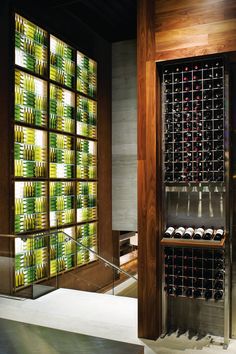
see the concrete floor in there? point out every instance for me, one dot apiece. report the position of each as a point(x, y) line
point(31, 339)
point(104, 316)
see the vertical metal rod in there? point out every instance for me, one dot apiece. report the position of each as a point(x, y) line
point(227, 223)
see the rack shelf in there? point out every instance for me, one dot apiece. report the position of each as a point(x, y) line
point(192, 243)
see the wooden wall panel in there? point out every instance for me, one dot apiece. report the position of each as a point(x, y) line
point(186, 28)
point(149, 293)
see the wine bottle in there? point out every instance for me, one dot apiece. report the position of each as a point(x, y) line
point(207, 273)
point(198, 234)
point(179, 232)
point(187, 88)
point(187, 271)
point(169, 290)
point(188, 233)
point(208, 294)
point(168, 167)
point(219, 235)
point(208, 234)
point(218, 295)
point(178, 291)
point(197, 293)
point(218, 285)
point(196, 66)
point(187, 281)
point(168, 279)
point(168, 260)
point(219, 275)
point(188, 292)
point(178, 281)
point(207, 284)
point(169, 232)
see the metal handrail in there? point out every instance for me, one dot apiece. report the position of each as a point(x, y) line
point(112, 265)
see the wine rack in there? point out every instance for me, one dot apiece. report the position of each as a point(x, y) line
point(86, 75)
point(31, 260)
point(30, 99)
point(62, 197)
point(193, 110)
point(86, 201)
point(62, 156)
point(86, 117)
point(30, 152)
point(55, 155)
point(62, 109)
point(86, 159)
point(87, 236)
point(30, 46)
point(62, 62)
point(194, 273)
point(30, 206)
point(62, 251)
point(195, 150)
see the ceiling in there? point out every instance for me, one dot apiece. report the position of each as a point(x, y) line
point(114, 20)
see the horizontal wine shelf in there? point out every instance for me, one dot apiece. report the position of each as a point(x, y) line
point(173, 242)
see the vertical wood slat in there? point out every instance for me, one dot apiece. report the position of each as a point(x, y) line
point(149, 297)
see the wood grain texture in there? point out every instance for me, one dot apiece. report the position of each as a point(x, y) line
point(192, 243)
point(149, 294)
point(192, 28)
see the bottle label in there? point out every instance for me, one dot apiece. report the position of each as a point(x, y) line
point(169, 231)
point(189, 231)
point(220, 232)
point(180, 231)
point(199, 231)
point(209, 231)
